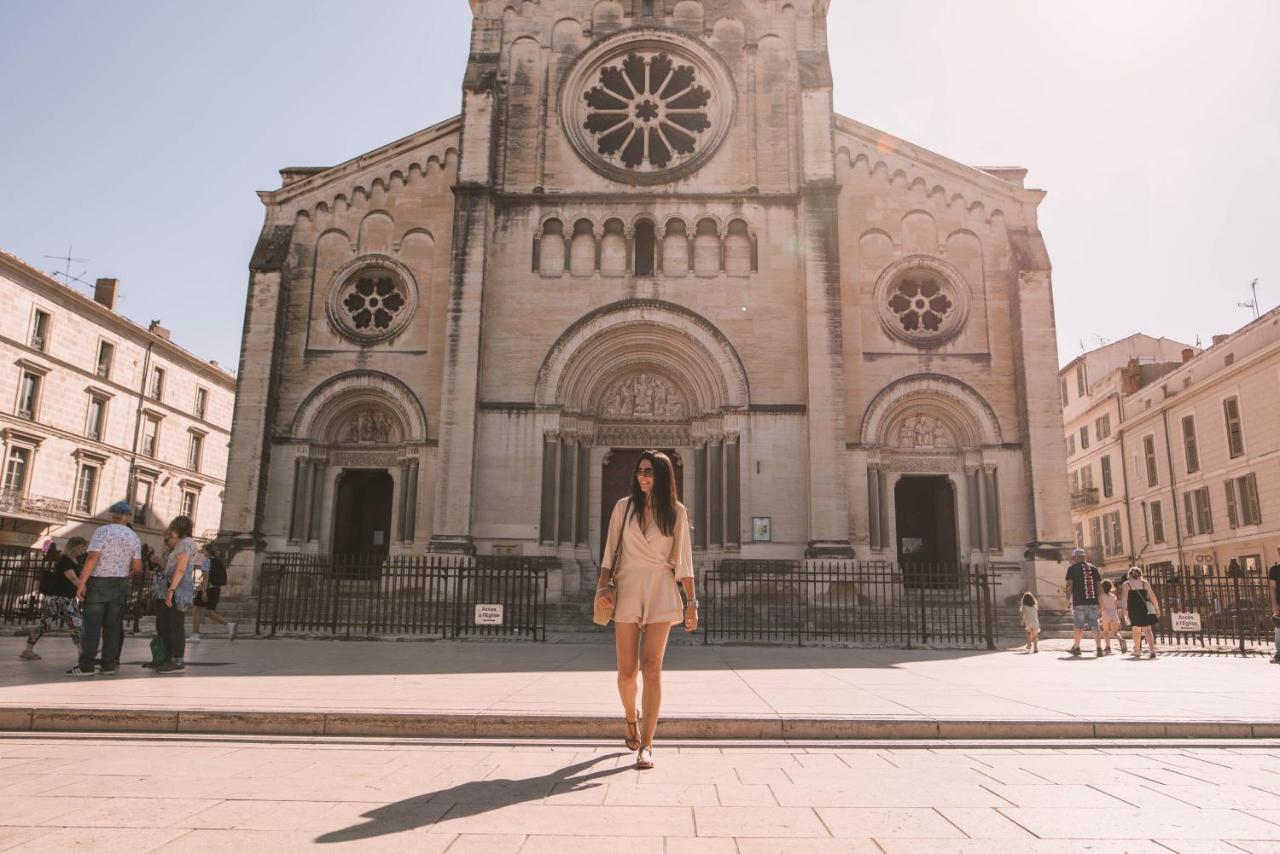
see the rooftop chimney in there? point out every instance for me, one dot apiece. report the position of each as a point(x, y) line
point(1131, 378)
point(1218, 339)
point(104, 291)
point(1188, 354)
point(156, 329)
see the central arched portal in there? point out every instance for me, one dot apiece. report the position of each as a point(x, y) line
point(615, 482)
point(362, 513)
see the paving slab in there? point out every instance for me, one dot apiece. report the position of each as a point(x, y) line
point(506, 690)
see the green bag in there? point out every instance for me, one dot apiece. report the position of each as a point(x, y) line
point(157, 651)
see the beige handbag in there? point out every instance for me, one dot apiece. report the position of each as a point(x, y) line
point(604, 613)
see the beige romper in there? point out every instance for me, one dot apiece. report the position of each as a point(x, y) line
point(652, 565)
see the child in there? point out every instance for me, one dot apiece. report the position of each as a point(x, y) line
point(1030, 611)
point(1109, 606)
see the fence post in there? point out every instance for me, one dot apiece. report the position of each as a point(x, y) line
point(1236, 608)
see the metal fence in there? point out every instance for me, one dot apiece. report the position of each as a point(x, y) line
point(1230, 611)
point(844, 601)
point(20, 597)
point(429, 595)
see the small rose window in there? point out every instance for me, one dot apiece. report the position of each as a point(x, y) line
point(920, 304)
point(373, 301)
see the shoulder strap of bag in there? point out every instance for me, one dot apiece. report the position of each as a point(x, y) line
point(617, 547)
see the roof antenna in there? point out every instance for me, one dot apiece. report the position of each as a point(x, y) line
point(1252, 303)
point(66, 274)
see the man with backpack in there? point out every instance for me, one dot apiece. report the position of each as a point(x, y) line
point(209, 584)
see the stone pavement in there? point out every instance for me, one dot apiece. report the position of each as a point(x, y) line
point(235, 794)
point(476, 689)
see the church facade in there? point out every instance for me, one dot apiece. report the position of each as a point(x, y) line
point(648, 228)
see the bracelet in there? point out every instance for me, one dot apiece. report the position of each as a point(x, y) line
point(693, 602)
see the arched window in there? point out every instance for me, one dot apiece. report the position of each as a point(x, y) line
point(706, 249)
point(582, 249)
point(646, 243)
point(613, 249)
point(646, 8)
point(675, 249)
point(551, 248)
point(738, 250)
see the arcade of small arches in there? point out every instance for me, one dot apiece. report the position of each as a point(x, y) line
point(645, 248)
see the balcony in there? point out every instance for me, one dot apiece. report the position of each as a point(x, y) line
point(1087, 497)
point(33, 508)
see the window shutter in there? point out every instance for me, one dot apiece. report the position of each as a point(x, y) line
point(1249, 494)
point(1190, 512)
point(1233, 515)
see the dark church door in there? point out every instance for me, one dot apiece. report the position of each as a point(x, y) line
point(925, 508)
point(362, 513)
point(620, 465)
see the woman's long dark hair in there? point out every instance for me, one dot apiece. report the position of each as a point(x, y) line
point(664, 491)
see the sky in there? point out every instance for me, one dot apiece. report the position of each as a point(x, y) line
point(136, 133)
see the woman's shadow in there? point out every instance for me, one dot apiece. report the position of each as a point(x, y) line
point(468, 799)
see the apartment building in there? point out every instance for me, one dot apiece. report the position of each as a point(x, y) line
point(95, 408)
point(1093, 387)
point(1173, 453)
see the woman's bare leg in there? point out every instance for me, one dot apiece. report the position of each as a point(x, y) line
point(626, 641)
point(655, 648)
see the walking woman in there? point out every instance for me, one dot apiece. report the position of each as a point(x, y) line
point(1138, 601)
point(173, 587)
point(59, 607)
point(649, 542)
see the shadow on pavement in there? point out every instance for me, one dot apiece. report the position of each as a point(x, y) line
point(468, 799)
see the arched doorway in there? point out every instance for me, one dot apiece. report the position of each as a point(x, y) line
point(619, 464)
point(928, 548)
point(362, 513)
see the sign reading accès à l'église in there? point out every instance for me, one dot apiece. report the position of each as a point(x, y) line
point(1185, 621)
point(488, 615)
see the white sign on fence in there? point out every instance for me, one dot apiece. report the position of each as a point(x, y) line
point(488, 615)
point(1188, 621)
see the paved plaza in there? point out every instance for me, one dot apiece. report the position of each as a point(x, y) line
point(222, 793)
point(302, 687)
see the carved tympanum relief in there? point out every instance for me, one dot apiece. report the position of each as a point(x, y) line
point(644, 396)
point(368, 426)
point(924, 431)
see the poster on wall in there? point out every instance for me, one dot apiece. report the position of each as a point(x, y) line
point(761, 529)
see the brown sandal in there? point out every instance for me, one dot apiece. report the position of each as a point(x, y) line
point(633, 734)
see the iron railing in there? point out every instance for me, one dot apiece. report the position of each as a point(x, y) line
point(431, 595)
point(845, 601)
point(20, 597)
point(1233, 611)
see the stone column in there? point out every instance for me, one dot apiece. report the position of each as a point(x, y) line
point(715, 495)
point(408, 499)
point(567, 491)
point(550, 466)
point(873, 508)
point(993, 532)
point(984, 503)
point(301, 497)
point(700, 494)
point(972, 509)
point(732, 492)
point(319, 470)
point(582, 517)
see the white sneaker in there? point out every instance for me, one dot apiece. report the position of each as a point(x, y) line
point(194, 639)
point(231, 630)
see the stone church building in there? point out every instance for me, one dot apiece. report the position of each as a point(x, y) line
point(648, 228)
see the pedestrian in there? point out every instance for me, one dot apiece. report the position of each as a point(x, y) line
point(208, 592)
point(647, 552)
point(1029, 614)
point(1109, 614)
point(1274, 575)
point(1142, 608)
point(174, 589)
point(1084, 582)
point(58, 606)
point(115, 553)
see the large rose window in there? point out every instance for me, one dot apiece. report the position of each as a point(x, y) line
point(922, 300)
point(647, 107)
point(647, 110)
point(371, 299)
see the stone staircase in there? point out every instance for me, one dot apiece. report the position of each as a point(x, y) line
point(1053, 624)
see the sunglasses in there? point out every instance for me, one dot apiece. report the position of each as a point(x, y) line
point(644, 471)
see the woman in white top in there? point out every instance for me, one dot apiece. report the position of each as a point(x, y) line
point(653, 528)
